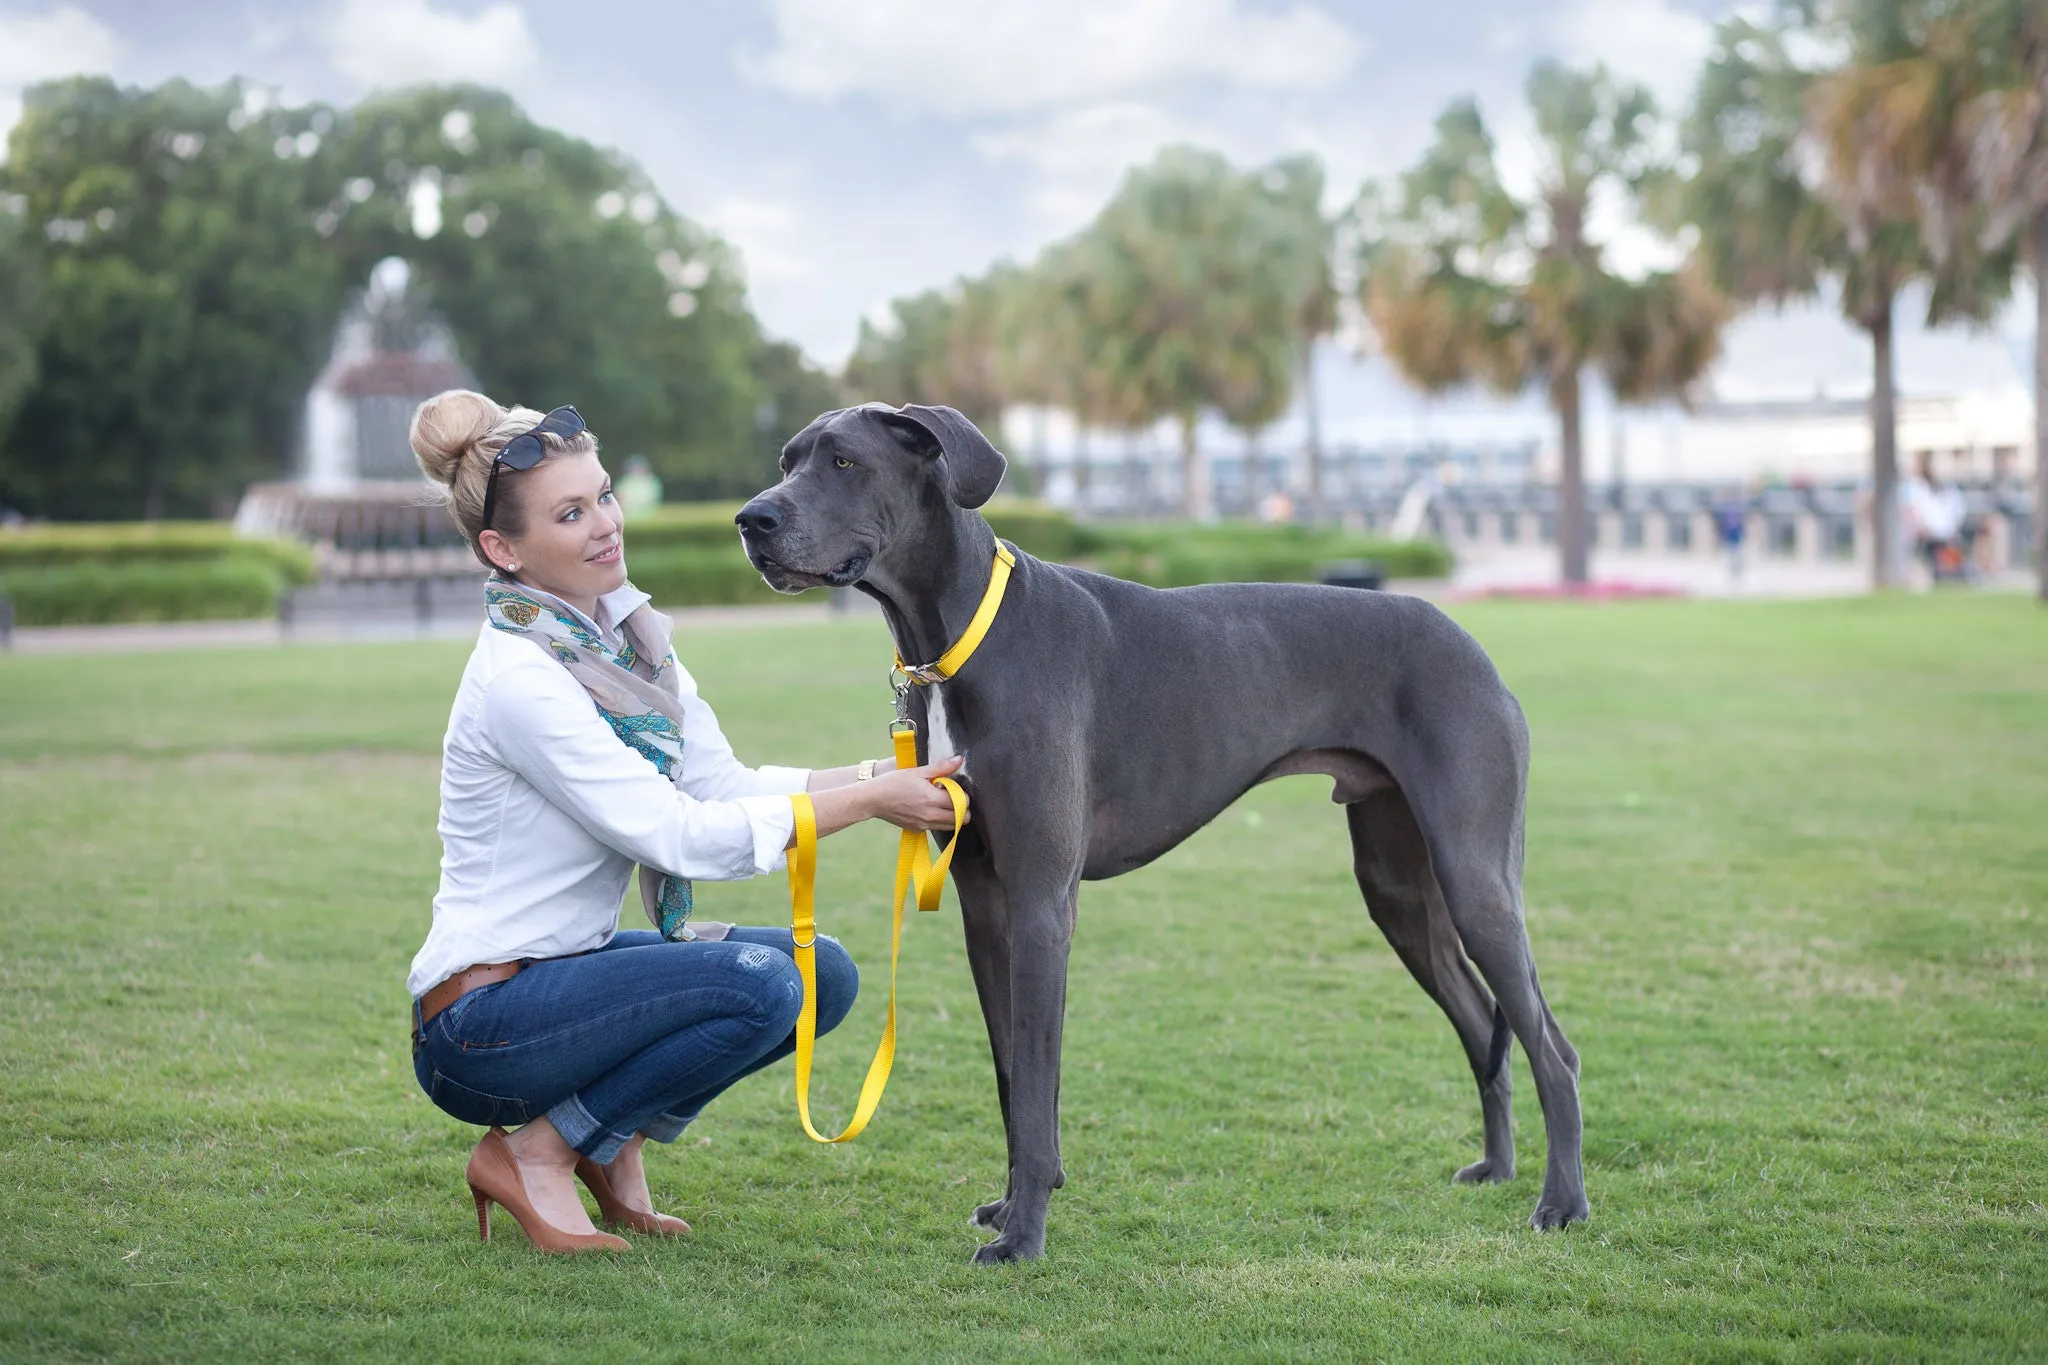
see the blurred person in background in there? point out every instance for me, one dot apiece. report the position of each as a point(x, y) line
point(1935, 519)
point(578, 746)
point(640, 490)
point(1731, 523)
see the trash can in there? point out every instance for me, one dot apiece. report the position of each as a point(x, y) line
point(1354, 573)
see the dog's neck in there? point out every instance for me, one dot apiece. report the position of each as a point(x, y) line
point(930, 586)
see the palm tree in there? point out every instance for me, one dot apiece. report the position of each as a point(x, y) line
point(1806, 176)
point(1184, 304)
point(1302, 247)
point(1999, 141)
point(1463, 281)
point(941, 346)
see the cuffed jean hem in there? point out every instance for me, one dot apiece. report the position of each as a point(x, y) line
point(665, 1127)
point(585, 1133)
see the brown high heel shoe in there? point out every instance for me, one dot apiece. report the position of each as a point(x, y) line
point(614, 1210)
point(493, 1175)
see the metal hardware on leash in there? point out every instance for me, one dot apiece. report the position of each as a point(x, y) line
point(899, 683)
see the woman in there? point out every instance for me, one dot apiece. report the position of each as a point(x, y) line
point(577, 747)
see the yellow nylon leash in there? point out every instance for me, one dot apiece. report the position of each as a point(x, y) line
point(918, 876)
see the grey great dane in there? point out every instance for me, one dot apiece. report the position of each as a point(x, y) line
point(1106, 722)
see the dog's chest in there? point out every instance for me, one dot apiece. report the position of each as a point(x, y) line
point(938, 735)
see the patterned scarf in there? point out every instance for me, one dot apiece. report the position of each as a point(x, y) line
point(634, 689)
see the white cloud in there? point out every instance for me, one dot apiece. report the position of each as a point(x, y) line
point(1077, 158)
point(1652, 41)
point(767, 234)
point(984, 58)
point(64, 42)
point(407, 42)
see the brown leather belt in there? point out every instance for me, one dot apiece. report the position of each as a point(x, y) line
point(462, 983)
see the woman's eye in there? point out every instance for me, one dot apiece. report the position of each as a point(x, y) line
point(841, 462)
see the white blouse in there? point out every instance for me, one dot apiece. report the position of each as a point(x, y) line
point(544, 811)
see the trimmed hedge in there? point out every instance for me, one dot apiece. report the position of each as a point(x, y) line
point(684, 555)
point(697, 576)
point(141, 590)
point(696, 549)
point(153, 542)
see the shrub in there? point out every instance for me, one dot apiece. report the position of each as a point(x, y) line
point(150, 542)
point(697, 576)
point(142, 590)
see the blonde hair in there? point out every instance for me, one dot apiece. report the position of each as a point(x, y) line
point(456, 437)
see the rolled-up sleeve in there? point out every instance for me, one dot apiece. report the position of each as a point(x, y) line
point(545, 728)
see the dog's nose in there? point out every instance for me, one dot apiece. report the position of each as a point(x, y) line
point(759, 517)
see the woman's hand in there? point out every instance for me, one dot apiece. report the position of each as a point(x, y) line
point(912, 799)
point(907, 799)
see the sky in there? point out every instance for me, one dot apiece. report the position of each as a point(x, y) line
point(858, 150)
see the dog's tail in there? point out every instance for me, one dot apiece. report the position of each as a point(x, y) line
point(1503, 1039)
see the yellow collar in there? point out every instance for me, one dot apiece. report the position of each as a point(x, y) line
point(963, 648)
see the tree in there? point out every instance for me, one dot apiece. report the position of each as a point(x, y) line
point(562, 273)
point(939, 347)
point(1305, 239)
point(187, 300)
point(1804, 179)
point(1463, 281)
point(1188, 305)
point(20, 308)
point(1990, 168)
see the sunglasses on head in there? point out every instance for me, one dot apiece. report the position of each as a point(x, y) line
point(526, 450)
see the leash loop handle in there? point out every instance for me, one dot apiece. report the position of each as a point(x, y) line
point(918, 876)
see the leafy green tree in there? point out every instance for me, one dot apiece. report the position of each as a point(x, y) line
point(20, 308)
point(1464, 281)
point(187, 300)
point(561, 272)
point(1805, 132)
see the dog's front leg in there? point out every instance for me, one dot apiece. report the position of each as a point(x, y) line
point(1041, 930)
point(985, 918)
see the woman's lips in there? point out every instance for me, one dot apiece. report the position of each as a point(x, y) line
point(608, 555)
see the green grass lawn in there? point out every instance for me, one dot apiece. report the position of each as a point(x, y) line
point(1787, 884)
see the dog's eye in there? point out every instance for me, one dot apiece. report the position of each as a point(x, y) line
point(841, 462)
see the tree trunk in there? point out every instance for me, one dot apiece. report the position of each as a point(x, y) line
point(1571, 481)
point(2040, 253)
point(1885, 566)
point(1317, 512)
point(1195, 503)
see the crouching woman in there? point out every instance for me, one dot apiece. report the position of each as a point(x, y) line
point(578, 747)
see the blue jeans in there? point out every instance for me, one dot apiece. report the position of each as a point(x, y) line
point(636, 1037)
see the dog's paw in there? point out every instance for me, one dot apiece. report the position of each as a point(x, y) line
point(1486, 1171)
point(990, 1217)
point(1005, 1249)
point(1561, 1213)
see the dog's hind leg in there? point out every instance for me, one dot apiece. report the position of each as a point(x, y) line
point(1392, 864)
point(984, 915)
point(1475, 838)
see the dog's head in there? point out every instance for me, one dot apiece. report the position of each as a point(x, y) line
point(861, 484)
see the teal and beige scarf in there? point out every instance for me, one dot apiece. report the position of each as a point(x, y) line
point(634, 689)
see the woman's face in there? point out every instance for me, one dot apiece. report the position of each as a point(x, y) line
point(573, 545)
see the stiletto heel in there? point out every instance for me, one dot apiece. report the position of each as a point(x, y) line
point(493, 1177)
point(614, 1210)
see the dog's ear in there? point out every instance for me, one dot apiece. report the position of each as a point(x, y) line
point(973, 466)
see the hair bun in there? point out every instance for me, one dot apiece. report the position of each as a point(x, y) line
point(446, 426)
